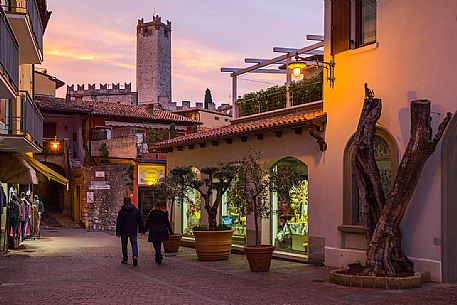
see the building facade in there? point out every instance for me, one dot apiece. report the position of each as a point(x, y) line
point(370, 42)
point(153, 62)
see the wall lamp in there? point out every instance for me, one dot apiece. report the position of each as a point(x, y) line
point(298, 67)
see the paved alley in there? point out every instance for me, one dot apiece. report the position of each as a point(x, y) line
point(75, 266)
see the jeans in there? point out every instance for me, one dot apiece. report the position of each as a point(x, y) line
point(133, 241)
point(157, 248)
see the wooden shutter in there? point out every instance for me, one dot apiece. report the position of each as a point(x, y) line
point(341, 25)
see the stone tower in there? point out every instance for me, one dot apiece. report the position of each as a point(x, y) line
point(153, 62)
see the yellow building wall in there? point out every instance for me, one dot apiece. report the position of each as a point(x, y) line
point(44, 86)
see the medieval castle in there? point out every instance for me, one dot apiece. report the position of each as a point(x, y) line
point(153, 71)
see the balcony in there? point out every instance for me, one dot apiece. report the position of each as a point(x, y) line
point(123, 143)
point(24, 129)
point(9, 59)
point(24, 18)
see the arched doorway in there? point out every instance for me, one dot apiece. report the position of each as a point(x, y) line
point(289, 218)
point(191, 209)
point(449, 206)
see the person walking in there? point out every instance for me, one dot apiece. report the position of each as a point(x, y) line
point(159, 229)
point(129, 223)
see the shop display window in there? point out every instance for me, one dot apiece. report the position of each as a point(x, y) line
point(290, 216)
point(191, 211)
point(234, 217)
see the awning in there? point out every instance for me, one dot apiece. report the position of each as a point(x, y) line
point(48, 172)
point(15, 170)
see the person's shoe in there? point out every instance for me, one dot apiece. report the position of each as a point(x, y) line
point(124, 261)
point(159, 261)
point(135, 261)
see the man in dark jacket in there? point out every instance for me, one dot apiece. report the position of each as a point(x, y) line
point(129, 223)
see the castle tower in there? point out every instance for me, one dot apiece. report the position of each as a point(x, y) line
point(153, 62)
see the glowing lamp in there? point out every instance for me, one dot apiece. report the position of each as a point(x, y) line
point(297, 67)
point(55, 145)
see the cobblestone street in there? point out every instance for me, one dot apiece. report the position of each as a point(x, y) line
point(75, 266)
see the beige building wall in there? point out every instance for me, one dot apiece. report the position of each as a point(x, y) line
point(300, 146)
point(412, 59)
point(44, 86)
point(211, 120)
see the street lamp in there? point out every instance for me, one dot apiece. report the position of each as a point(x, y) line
point(55, 145)
point(297, 67)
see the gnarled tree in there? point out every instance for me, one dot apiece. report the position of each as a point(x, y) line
point(382, 214)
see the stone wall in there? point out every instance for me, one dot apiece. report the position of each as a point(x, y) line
point(107, 193)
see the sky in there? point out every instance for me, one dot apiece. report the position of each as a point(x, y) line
point(94, 41)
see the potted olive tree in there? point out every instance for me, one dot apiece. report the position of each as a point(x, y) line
point(213, 242)
point(175, 187)
point(251, 190)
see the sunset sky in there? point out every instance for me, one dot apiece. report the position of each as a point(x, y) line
point(94, 41)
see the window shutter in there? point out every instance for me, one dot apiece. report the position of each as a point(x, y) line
point(341, 26)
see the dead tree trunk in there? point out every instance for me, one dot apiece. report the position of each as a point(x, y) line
point(385, 256)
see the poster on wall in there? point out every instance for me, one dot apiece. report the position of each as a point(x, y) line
point(149, 174)
point(90, 197)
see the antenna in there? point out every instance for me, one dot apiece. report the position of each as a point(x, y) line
point(154, 11)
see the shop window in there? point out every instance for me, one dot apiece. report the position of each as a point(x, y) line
point(290, 215)
point(386, 158)
point(234, 217)
point(191, 209)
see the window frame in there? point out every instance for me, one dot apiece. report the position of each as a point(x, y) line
point(358, 29)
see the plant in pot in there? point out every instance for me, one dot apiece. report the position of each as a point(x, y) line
point(175, 188)
point(213, 242)
point(251, 189)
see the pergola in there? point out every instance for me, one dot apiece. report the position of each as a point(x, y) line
point(261, 66)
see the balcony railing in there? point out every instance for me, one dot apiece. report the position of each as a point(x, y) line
point(29, 123)
point(9, 52)
point(30, 9)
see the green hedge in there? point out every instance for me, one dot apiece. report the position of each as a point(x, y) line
point(302, 92)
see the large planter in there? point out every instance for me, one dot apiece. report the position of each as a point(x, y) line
point(259, 257)
point(172, 244)
point(338, 277)
point(213, 245)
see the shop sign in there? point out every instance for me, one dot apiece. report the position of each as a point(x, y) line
point(90, 197)
point(99, 185)
point(149, 174)
point(99, 174)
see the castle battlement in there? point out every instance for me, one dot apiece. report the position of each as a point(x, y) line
point(104, 89)
point(146, 28)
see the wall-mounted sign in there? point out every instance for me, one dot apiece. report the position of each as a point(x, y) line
point(149, 174)
point(99, 174)
point(99, 185)
point(90, 197)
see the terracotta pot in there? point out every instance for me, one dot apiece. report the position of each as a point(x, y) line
point(172, 244)
point(259, 257)
point(213, 245)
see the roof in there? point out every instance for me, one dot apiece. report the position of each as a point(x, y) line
point(58, 82)
point(291, 117)
point(111, 110)
point(197, 109)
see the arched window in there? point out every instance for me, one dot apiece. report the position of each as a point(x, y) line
point(386, 155)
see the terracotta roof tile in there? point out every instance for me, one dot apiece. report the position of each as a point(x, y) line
point(114, 110)
point(245, 126)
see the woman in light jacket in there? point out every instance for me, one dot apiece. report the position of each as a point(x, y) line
point(159, 229)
